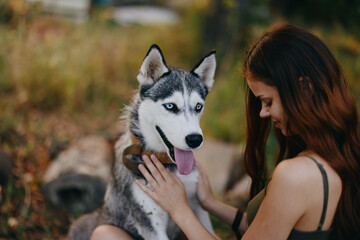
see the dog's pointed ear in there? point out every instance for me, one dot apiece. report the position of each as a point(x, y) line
point(205, 69)
point(153, 66)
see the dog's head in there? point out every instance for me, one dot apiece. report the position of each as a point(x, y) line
point(171, 104)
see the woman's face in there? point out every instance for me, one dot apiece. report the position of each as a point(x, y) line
point(271, 105)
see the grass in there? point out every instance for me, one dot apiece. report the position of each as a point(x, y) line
point(70, 66)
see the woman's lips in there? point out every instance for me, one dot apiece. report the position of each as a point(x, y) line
point(277, 124)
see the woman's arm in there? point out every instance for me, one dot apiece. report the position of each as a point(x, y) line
point(109, 232)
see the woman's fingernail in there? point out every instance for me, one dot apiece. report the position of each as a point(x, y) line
point(141, 167)
point(145, 158)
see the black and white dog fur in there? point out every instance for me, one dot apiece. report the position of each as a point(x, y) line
point(164, 116)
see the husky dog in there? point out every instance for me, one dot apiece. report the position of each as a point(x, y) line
point(162, 118)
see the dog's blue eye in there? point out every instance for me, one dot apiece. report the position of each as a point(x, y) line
point(198, 107)
point(171, 107)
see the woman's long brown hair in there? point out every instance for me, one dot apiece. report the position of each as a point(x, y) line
point(317, 104)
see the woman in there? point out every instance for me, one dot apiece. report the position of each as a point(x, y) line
point(295, 83)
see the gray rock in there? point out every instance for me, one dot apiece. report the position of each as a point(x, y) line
point(76, 180)
point(76, 193)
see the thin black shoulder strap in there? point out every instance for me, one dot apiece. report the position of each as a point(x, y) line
point(326, 191)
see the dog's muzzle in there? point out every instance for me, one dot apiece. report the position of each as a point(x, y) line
point(184, 159)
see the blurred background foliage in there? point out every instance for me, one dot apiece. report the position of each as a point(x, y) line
point(60, 79)
point(49, 64)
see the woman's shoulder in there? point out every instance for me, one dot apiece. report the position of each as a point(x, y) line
point(299, 173)
point(303, 174)
point(293, 184)
point(298, 182)
point(296, 170)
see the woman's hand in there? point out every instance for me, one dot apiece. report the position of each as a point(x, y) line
point(169, 192)
point(204, 192)
point(167, 189)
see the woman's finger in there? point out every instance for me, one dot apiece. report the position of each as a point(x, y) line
point(163, 171)
point(176, 178)
point(153, 169)
point(148, 176)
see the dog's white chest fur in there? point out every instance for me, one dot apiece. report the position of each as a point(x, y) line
point(160, 219)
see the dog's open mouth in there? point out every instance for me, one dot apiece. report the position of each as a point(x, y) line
point(183, 159)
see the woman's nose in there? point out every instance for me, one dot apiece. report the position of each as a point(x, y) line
point(264, 113)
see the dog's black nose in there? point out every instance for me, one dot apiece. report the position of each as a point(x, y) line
point(194, 140)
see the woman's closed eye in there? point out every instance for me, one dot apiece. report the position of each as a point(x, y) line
point(268, 104)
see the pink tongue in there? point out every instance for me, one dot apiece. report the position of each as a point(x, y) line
point(184, 161)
